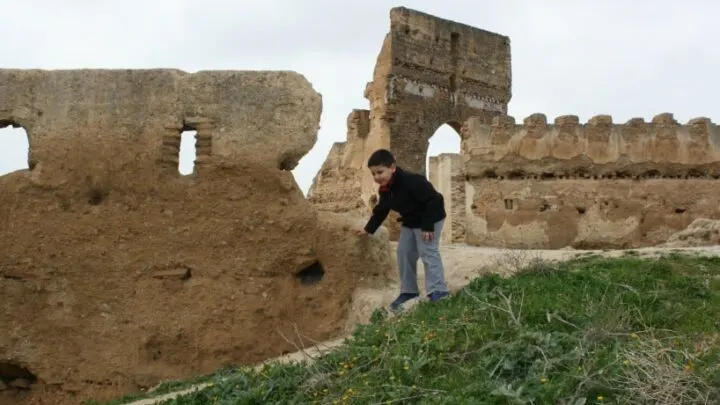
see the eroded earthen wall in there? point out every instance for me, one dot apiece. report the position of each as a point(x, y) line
point(595, 185)
point(337, 185)
point(117, 272)
point(441, 72)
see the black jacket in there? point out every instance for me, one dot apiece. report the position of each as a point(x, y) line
point(413, 197)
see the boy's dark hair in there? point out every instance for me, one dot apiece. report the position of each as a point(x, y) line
point(381, 157)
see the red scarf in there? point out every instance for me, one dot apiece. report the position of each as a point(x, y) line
point(387, 186)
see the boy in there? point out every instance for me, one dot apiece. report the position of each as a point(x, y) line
point(422, 211)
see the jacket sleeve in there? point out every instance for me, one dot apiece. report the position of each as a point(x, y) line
point(432, 201)
point(380, 212)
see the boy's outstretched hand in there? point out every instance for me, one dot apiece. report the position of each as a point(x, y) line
point(360, 232)
point(428, 236)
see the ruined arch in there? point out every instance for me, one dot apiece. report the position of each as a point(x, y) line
point(430, 72)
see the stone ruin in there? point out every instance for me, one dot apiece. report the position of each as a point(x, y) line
point(117, 272)
point(429, 72)
point(535, 185)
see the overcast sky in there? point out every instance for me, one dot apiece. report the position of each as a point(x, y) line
point(630, 58)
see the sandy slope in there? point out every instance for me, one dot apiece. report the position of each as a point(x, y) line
point(463, 263)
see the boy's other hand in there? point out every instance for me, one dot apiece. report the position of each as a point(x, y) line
point(428, 236)
point(360, 232)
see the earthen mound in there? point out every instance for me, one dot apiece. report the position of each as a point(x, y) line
point(116, 275)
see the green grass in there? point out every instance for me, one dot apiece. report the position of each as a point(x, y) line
point(593, 330)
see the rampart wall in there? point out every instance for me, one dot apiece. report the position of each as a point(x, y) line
point(592, 185)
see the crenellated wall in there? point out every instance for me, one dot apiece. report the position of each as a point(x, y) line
point(592, 185)
point(598, 148)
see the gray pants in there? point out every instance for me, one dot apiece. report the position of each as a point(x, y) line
point(411, 246)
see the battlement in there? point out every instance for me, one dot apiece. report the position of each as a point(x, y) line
point(598, 148)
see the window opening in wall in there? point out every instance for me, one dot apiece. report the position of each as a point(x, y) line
point(14, 148)
point(188, 152)
point(445, 140)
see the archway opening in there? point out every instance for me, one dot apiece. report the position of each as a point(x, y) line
point(14, 148)
point(445, 140)
point(188, 152)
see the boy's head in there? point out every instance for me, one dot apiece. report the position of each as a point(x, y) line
point(382, 166)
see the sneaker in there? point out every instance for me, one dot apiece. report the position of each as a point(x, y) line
point(401, 299)
point(437, 295)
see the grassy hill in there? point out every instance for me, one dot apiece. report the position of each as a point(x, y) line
point(589, 331)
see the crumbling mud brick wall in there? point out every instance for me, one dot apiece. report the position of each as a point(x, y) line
point(336, 186)
point(592, 185)
point(117, 272)
point(429, 72)
point(447, 174)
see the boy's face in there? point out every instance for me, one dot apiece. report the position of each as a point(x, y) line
point(382, 174)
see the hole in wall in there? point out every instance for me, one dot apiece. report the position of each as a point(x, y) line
point(680, 210)
point(96, 196)
point(454, 39)
point(188, 152)
point(14, 148)
point(580, 172)
point(517, 174)
point(696, 173)
point(10, 373)
point(622, 175)
point(490, 174)
point(311, 274)
point(580, 210)
point(547, 176)
point(508, 204)
point(287, 162)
